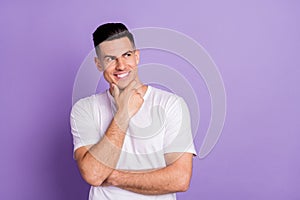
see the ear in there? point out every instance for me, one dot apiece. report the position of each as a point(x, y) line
point(98, 64)
point(137, 56)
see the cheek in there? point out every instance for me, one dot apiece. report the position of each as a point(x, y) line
point(133, 64)
point(107, 75)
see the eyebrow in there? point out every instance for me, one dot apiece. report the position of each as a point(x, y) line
point(113, 57)
point(108, 56)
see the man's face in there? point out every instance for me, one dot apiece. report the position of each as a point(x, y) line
point(118, 60)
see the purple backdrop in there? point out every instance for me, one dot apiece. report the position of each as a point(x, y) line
point(255, 44)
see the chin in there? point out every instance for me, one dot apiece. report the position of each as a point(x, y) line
point(122, 86)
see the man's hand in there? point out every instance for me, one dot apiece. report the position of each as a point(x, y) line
point(128, 102)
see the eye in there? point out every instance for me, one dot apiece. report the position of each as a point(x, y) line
point(108, 59)
point(128, 54)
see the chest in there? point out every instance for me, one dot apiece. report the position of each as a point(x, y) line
point(144, 140)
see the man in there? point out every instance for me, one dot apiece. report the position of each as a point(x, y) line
point(133, 141)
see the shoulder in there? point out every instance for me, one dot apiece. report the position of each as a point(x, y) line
point(173, 104)
point(164, 96)
point(89, 103)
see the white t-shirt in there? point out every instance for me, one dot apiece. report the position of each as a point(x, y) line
point(162, 125)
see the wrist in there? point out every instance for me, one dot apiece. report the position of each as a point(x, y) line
point(122, 120)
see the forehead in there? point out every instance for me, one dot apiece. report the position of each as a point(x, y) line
point(115, 47)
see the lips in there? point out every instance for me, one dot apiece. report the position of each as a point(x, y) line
point(122, 75)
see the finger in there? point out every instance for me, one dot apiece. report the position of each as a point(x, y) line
point(136, 91)
point(115, 91)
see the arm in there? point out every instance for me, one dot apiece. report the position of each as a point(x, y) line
point(175, 177)
point(96, 162)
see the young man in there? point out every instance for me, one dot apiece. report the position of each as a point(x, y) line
point(133, 141)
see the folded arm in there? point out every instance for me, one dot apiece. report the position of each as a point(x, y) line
point(175, 177)
point(96, 162)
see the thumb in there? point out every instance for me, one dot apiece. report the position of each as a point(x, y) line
point(115, 91)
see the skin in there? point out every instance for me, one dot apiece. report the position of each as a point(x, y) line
point(118, 60)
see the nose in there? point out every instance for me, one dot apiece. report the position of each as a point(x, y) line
point(121, 64)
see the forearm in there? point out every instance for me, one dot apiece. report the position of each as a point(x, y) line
point(100, 159)
point(145, 192)
point(170, 179)
point(107, 150)
point(161, 181)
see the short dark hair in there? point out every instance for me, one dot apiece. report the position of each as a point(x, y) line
point(111, 31)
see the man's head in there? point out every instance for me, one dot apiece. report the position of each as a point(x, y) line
point(116, 54)
point(111, 31)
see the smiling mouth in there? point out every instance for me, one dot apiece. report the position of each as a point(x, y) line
point(123, 75)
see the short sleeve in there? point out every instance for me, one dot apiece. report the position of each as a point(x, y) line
point(178, 135)
point(83, 126)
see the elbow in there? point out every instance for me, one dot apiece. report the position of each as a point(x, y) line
point(91, 177)
point(90, 169)
point(184, 183)
point(93, 180)
point(184, 188)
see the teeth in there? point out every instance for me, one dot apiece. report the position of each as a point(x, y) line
point(122, 75)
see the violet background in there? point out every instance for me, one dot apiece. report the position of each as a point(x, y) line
point(255, 45)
